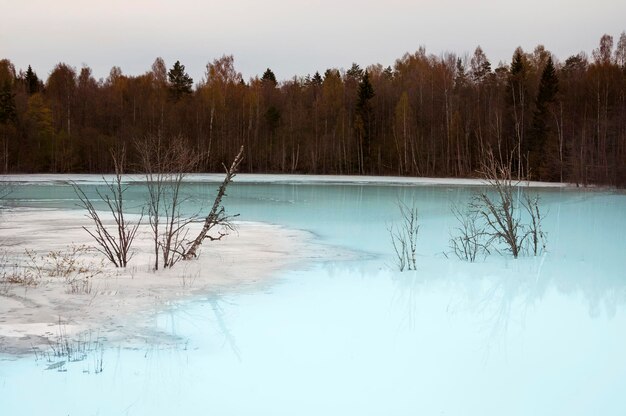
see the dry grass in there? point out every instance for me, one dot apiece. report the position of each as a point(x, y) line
point(73, 265)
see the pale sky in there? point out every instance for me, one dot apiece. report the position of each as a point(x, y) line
point(291, 37)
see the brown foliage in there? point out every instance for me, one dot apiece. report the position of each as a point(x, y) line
point(430, 116)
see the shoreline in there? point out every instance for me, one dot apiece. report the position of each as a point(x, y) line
point(119, 305)
point(286, 179)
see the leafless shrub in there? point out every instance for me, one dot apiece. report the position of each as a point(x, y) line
point(536, 238)
point(12, 274)
point(404, 237)
point(65, 263)
point(114, 243)
point(15, 274)
point(34, 264)
point(470, 239)
point(21, 277)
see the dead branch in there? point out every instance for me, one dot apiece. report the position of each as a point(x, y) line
point(217, 216)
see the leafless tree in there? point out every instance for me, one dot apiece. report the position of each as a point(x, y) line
point(217, 217)
point(495, 215)
point(165, 164)
point(404, 237)
point(499, 212)
point(114, 242)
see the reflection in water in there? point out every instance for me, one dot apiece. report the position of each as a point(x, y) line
point(498, 295)
point(409, 287)
point(219, 317)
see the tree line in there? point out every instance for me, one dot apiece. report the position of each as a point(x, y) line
point(426, 115)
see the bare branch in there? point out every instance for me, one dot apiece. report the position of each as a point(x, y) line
point(404, 237)
point(536, 237)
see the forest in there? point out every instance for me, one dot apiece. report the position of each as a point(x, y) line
point(426, 115)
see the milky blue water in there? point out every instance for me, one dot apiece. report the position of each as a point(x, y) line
point(539, 335)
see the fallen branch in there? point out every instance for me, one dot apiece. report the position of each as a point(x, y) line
point(217, 216)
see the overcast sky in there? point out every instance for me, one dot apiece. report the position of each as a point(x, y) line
point(291, 37)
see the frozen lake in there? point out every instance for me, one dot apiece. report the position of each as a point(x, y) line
point(539, 335)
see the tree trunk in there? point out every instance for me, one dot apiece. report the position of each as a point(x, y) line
point(216, 215)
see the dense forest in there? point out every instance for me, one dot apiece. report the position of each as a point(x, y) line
point(425, 116)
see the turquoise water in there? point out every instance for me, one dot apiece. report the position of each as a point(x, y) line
point(534, 336)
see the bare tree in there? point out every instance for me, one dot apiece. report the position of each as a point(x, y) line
point(217, 217)
point(114, 242)
point(499, 212)
point(165, 165)
point(404, 237)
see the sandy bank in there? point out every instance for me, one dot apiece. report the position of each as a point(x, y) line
point(119, 304)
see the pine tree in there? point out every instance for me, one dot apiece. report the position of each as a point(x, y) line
point(539, 144)
point(272, 118)
point(366, 93)
point(317, 79)
point(180, 81)
point(548, 86)
point(31, 80)
point(315, 83)
point(355, 72)
point(7, 106)
point(7, 98)
point(269, 78)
